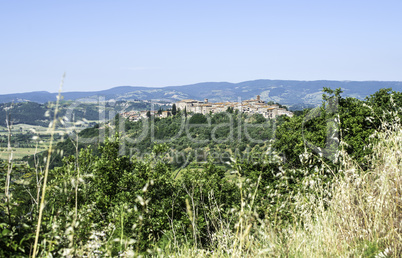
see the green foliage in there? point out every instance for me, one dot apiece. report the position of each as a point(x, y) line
point(17, 211)
point(230, 110)
point(25, 112)
point(174, 110)
point(198, 119)
point(104, 199)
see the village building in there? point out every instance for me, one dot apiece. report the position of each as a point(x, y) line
point(251, 106)
point(165, 114)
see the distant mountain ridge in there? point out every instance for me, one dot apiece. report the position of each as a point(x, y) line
point(287, 92)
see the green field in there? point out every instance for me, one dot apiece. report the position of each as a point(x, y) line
point(37, 137)
point(19, 153)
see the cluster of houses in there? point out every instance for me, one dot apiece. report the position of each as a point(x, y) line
point(138, 115)
point(251, 106)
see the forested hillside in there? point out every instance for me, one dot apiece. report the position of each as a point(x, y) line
point(325, 182)
point(33, 113)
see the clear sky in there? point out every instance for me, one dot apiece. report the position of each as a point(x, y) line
point(102, 44)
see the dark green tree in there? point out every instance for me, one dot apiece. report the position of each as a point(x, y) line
point(174, 110)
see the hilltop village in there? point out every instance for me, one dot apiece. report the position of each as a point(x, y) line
point(251, 106)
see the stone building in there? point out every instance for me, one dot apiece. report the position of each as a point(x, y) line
point(251, 106)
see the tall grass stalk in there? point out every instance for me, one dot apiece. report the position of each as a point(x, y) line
point(9, 167)
point(42, 201)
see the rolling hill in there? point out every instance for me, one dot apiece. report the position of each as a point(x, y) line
point(287, 92)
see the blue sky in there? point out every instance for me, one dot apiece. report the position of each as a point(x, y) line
point(102, 44)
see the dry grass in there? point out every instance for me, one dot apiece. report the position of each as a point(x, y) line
point(363, 218)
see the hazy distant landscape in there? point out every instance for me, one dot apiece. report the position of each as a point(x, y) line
point(291, 93)
point(201, 128)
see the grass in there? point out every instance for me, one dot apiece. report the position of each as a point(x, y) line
point(362, 217)
point(52, 127)
point(19, 153)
